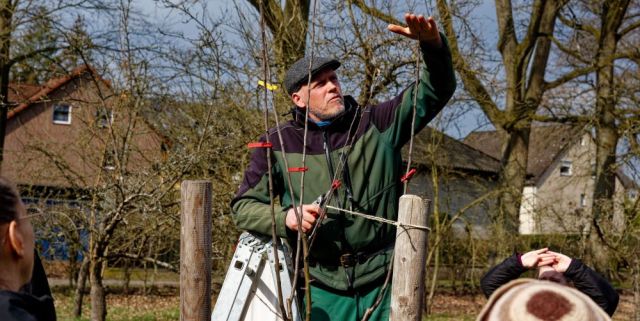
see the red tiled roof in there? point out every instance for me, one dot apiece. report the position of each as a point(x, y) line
point(36, 93)
point(20, 93)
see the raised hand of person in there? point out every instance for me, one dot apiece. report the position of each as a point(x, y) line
point(561, 262)
point(419, 28)
point(537, 258)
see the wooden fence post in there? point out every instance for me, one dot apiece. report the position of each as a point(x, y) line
point(195, 251)
point(407, 291)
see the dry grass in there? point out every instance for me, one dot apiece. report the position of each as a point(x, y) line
point(164, 305)
point(125, 307)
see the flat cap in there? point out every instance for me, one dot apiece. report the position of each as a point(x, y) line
point(298, 73)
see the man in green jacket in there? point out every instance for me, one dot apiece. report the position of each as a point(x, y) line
point(353, 159)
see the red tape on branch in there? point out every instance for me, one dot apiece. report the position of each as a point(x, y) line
point(297, 169)
point(260, 145)
point(408, 175)
point(336, 184)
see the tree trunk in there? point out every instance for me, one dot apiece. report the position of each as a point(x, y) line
point(127, 277)
point(6, 27)
point(289, 28)
point(80, 287)
point(98, 297)
point(512, 181)
point(606, 129)
point(636, 288)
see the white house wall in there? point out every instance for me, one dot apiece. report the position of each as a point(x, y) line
point(527, 211)
point(563, 203)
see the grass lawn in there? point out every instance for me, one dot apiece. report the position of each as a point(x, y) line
point(120, 307)
point(164, 304)
point(140, 274)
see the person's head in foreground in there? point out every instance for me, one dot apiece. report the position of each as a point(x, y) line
point(16, 239)
point(540, 300)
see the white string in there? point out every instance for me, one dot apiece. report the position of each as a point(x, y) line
point(379, 219)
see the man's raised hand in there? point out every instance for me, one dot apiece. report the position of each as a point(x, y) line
point(419, 28)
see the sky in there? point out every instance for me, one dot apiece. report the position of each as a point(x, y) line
point(472, 118)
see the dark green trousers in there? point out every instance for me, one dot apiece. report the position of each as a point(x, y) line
point(332, 305)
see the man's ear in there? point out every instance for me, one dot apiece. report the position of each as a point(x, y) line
point(16, 240)
point(297, 99)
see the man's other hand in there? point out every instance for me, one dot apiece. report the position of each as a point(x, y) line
point(309, 216)
point(419, 28)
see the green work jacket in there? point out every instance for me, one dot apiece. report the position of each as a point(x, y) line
point(369, 139)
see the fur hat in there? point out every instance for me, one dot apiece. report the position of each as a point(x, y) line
point(535, 300)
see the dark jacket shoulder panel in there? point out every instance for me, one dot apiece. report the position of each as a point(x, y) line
point(510, 269)
point(25, 307)
point(592, 284)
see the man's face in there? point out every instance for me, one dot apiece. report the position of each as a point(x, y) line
point(324, 96)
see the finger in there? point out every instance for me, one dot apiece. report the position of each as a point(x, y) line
point(306, 226)
point(546, 261)
point(556, 254)
point(433, 26)
point(315, 209)
point(540, 251)
point(404, 31)
point(422, 27)
point(422, 23)
point(309, 217)
point(413, 24)
point(408, 17)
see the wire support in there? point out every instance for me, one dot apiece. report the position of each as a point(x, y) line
point(379, 219)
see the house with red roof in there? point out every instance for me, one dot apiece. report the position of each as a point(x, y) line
point(70, 133)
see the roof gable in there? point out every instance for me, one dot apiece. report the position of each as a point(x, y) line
point(545, 144)
point(20, 93)
point(449, 152)
point(33, 94)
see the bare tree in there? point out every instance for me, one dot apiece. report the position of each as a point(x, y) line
point(16, 19)
point(288, 25)
point(525, 50)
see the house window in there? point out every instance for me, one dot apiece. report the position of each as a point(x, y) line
point(593, 170)
point(583, 200)
point(109, 162)
point(104, 118)
point(565, 168)
point(62, 114)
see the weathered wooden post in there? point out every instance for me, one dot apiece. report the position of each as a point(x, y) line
point(407, 291)
point(195, 251)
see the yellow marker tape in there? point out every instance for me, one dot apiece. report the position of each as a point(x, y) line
point(268, 85)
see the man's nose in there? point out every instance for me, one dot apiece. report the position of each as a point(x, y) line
point(332, 86)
